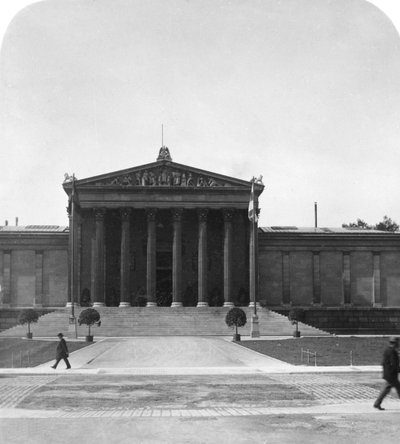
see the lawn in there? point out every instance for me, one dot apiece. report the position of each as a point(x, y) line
point(30, 352)
point(329, 351)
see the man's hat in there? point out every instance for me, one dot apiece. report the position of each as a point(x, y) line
point(394, 340)
point(60, 335)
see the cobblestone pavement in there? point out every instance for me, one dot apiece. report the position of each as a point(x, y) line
point(318, 390)
point(15, 390)
point(328, 388)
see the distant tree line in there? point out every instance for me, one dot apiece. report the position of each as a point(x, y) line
point(387, 224)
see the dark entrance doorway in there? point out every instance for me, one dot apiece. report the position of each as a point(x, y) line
point(164, 278)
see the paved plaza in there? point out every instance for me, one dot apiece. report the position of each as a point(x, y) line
point(182, 389)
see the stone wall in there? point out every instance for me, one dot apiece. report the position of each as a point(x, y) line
point(329, 270)
point(350, 320)
point(34, 268)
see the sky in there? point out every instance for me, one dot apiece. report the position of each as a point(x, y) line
point(303, 92)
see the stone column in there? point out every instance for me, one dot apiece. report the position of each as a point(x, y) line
point(98, 287)
point(202, 259)
point(125, 299)
point(316, 278)
point(38, 302)
point(6, 283)
point(286, 278)
point(346, 279)
point(151, 258)
point(177, 258)
point(228, 214)
point(376, 300)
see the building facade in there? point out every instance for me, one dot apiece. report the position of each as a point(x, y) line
point(166, 234)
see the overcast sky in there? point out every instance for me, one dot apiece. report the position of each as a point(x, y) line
point(304, 92)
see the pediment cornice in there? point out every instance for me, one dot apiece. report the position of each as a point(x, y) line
point(163, 173)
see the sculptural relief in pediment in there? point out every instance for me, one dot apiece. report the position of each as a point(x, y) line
point(163, 176)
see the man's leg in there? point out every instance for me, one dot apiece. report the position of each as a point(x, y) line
point(396, 385)
point(385, 390)
point(67, 363)
point(56, 363)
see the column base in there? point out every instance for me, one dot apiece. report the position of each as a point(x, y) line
point(255, 327)
point(98, 304)
point(377, 305)
point(38, 305)
point(124, 304)
point(69, 305)
point(229, 304)
point(151, 304)
point(202, 304)
point(251, 305)
point(176, 304)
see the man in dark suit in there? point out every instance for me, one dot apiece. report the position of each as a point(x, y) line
point(62, 352)
point(391, 369)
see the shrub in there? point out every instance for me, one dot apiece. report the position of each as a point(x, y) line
point(235, 317)
point(89, 317)
point(28, 316)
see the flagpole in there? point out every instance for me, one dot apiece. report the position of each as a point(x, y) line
point(72, 319)
point(255, 329)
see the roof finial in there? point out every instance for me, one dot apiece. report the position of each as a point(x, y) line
point(164, 151)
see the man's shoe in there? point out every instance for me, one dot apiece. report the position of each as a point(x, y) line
point(378, 407)
point(53, 367)
point(68, 368)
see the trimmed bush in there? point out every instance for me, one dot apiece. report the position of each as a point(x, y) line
point(28, 316)
point(89, 317)
point(235, 317)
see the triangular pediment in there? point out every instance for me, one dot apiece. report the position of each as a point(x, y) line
point(162, 174)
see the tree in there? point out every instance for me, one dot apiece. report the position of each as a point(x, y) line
point(387, 225)
point(89, 317)
point(360, 224)
point(236, 317)
point(28, 316)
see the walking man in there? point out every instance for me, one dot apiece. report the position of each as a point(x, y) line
point(61, 352)
point(391, 369)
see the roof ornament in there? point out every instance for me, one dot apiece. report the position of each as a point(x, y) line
point(164, 154)
point(164, 151)
point(68, 178)
point(258, 179)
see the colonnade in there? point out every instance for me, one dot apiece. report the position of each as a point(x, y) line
point(98, 258)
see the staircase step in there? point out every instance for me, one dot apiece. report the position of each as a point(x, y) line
point(164, 321)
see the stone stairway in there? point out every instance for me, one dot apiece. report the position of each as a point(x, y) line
point(162, 321)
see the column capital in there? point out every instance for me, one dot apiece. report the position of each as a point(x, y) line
point(228, 214)
point(99, 214)
point(202, 214)
point(151, 214)
point(177, 214)
point(125, 213)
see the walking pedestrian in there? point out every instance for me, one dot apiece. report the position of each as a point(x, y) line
point(390, 364)
point(61, 352)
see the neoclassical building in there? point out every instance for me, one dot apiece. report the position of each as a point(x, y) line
point(161, 234)
point(167, 234)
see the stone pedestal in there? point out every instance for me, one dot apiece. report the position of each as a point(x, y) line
point(255, 327)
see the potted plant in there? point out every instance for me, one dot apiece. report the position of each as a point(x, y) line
point(89, 317)
point(296, 315)
point(236, 317)
point(28, 316)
